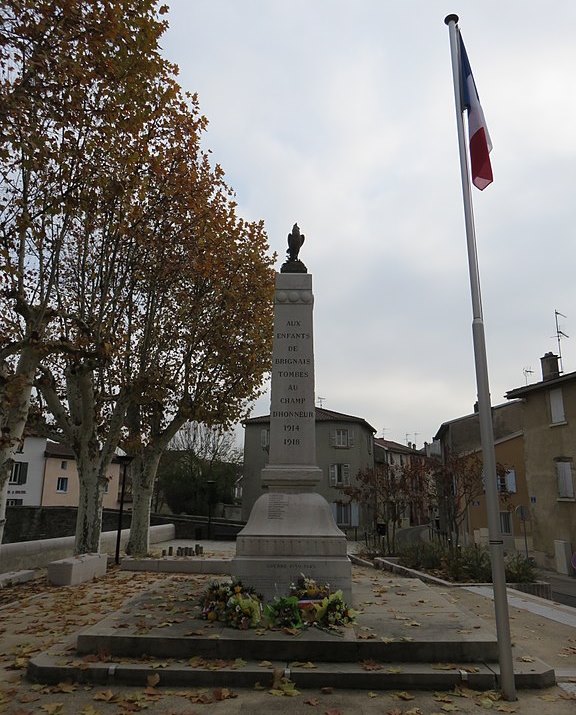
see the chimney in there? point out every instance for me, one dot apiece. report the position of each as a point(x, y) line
point(550, 370)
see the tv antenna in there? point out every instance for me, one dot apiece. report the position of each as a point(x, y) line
point(559, 335)
point(527, 371)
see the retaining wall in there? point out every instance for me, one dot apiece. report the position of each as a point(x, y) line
point(39, 553)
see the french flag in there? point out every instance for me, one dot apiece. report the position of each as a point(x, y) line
point(480, 144)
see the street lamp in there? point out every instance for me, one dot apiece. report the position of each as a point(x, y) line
point(210, 484)
point(124, 460)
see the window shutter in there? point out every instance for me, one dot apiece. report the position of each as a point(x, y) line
point(332, 438)
point(556, 406)
point(265, 438)
point(511, 481)
point(334, 506)
point(351, 437)
point(345, 474)
point(333, 474)
point(565, 483)
point(23, 476)
point(355, 514)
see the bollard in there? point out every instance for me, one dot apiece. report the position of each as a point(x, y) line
point(170, 551)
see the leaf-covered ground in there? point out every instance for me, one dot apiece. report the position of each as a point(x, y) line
point(35, 616)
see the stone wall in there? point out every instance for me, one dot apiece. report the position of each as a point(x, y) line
point(30, 523)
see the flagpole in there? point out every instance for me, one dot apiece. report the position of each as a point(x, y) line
point(496, 542)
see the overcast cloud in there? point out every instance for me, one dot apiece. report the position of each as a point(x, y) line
point(340, 115)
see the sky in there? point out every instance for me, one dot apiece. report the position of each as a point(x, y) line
point(339, 115)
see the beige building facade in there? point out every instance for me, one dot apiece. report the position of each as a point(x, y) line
point(549, 425)
point(462, 436)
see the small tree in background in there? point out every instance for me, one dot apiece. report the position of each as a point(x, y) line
point(196, 456)
point(455, 483)
point(384, 495)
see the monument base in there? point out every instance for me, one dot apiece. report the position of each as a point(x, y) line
point(289, 534)
point(291, 477)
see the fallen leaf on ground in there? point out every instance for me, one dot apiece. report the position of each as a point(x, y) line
point(403, 695)
point(106, 696)
point(223, 694)
point(152, 680)
point(312, 701)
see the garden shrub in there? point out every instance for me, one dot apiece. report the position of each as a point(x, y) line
point(519, 569)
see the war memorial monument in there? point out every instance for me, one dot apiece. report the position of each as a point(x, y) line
point(291, 529)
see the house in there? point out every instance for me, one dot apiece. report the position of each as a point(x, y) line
point(549, 425)
point(60, 485)
point(395, 457)
point(26, 478)
point(44, 474)
point(344, 446)
point(461, 436)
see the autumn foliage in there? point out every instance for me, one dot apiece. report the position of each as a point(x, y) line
point(132, 295)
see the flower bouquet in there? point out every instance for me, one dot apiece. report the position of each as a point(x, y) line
point(306, 588)
point(233, 604)
point(333, 611)
point(284, 612)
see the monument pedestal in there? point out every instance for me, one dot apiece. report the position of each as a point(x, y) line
point(291, 529)
point(289, 534)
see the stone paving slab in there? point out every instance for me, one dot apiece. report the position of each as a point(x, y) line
point(406, 635)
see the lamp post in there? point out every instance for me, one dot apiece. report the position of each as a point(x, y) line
point(210, 484)
point(124, 460)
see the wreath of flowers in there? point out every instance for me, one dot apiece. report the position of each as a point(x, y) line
point(239, 606)
point(233, 604)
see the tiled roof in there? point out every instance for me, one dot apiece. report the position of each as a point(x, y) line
point(57, 449)
point(393, 446)
point(542, 385)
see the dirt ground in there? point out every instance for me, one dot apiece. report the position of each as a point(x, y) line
point(36, 615)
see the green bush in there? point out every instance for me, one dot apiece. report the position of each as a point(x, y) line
point(465, 564)
point(476, 565)
point(519, 569)
point(425, 555)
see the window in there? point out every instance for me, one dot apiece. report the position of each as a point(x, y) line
point(505, 522)
point(339, 475)
point(343, 513)
point(62, 484)
point(556, 406)
point(64, 464)
point(342, 438)
point(507, 482)
point(265, 438)
point(565, 478)
point(19, 473)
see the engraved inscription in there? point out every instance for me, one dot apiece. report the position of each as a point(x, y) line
point(277, 505)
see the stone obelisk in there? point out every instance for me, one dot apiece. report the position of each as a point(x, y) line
point(291, 529)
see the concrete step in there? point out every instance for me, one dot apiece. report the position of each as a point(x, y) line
point(405, 636)
point(52, 667)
